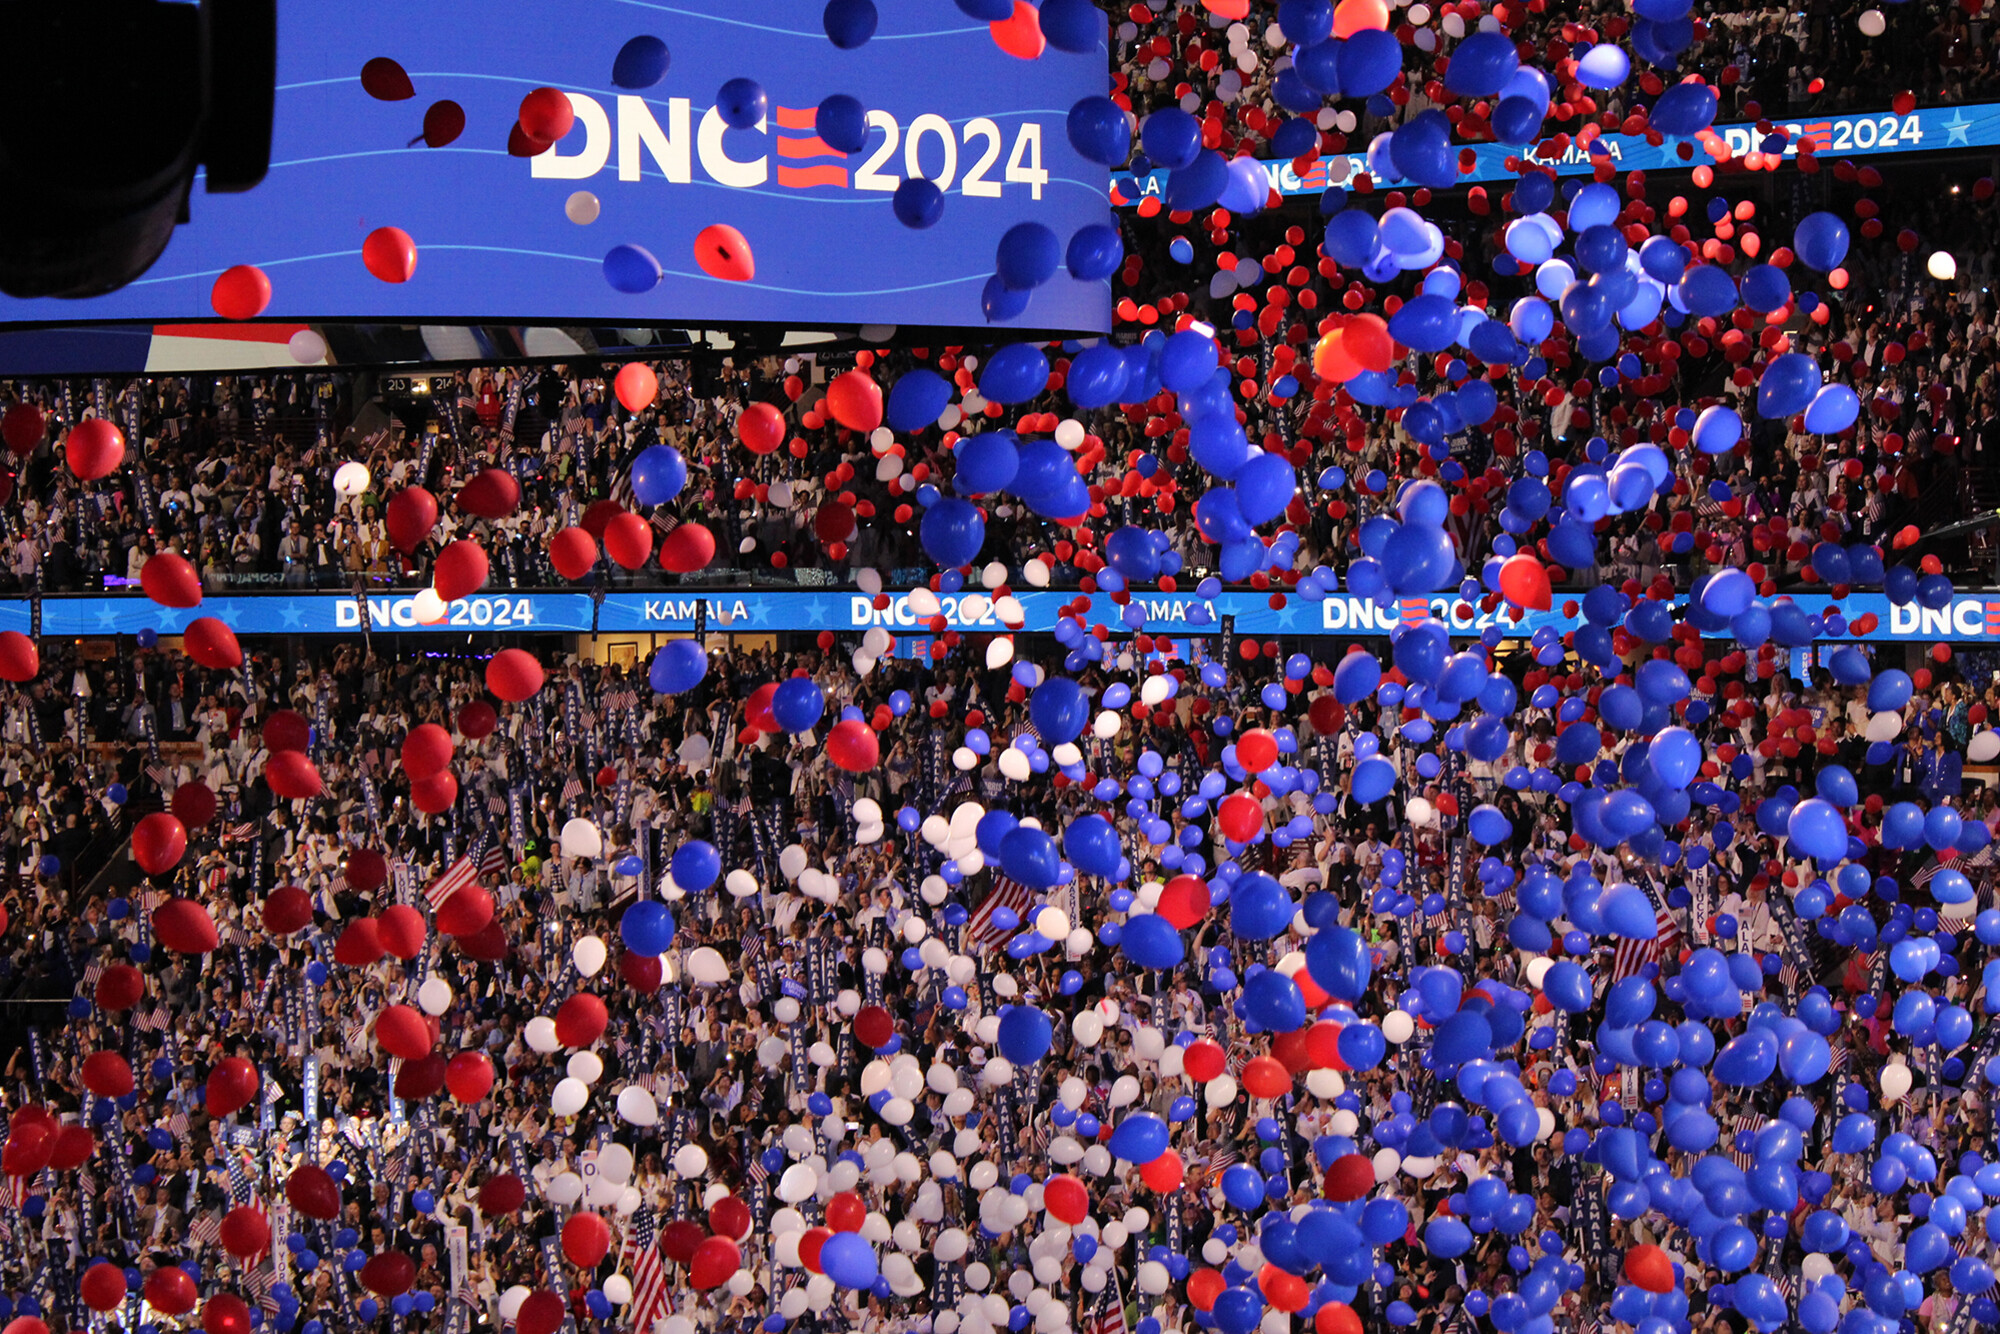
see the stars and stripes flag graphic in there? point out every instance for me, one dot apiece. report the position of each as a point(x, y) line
point(1634, 955)
point(1744, 1159)
point(642, 1264)
point(494, 862)
point(1110, 1317)
point(151, 1021)
point(457, 876)
point(980, 932)
point(207, 1229)
point(571, 791)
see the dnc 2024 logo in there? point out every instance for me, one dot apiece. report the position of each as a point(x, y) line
point(632, 133)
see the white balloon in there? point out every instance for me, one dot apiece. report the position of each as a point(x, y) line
point(707, 967)
point(740, 884)
point(796, 1185)
point(588, 955)
point(690, 1160)
point(1983, 747)
point(1124, 1091)
point(636, 1105)
point(581, 208)
point(569, 1097)
point(792, 861)
point(434, 996)
point(1220, 1091)
point(307, 347)
point(581, 838)
point(350, 479)
point(1000, 651)
point(1397, 1026)
point(618, 1290)
point(1070, 433)
point(1153, 1277)
point(510, 1301)
point(1386, 1163)
point(586, 1066)
point(427, 606)
point(541, 1034)
point(1942, 266)
point(1087, 1028)
point(1895, 1081)
point(564, 1188)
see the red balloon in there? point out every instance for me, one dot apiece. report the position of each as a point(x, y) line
point(488, 943)
point(419, 1079)
point(426, 750)
point(1350, 1177)
point(852, 746)
point(1327, 714)
point(434, 795)
point(1256, 750)
point(107, 1074)
point(185, 927)
point(193, 804)
point(600, 513)
point(102, 1287)
point(1066, 1199)
point(72, 1148)
point(1266, 1077)
point(245, 1231)
point(833, 522)
point(688, 548)
point(477, 720)
point(1204, 1060)
point(1165, 1173)
point(502, 1194)
point(360, 944)
point(1524, 582)
point(366, 870)
point(94, 449)
point(240, 293)
point(292, 775)
point(573, 551)
point(410, 516)
point(170, 1289)
point(158, 843)
point(757, 708)
point(636, 386)
point(642, 972)
point(402, 930)
point(714, 1261)
point(390, 254)
point(1286, 1292)
point(383, 79)
point(287, 729)
point(1240, 816)
point(225, 1313)
point(170, 581)
point(873, 1027)
point(680, 1239)
point(1648, 1267)
point(28, 1149)
point(586, 1239)
point(628, 539)
point(810, 1242)
point(232, 1083)
point(845, 1212)
point(546, 114)
point(1336, 1318)
point(761, 428)
point(855, 401)
point(288, 909)
point(514, 675)
point(1184, 901)
point(313, 1193)
point(466, 912)
point(491, 493)
point(541, 1313)
point(581, 1020)
point(469, 1076)
point(461, 570)
point(723, 253)
point(20, 661)
point(119, 987)
point(443, 123)
point(22, 427)
point(729, 1217)
point(520, 145)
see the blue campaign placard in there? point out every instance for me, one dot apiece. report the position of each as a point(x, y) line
point(493, 232)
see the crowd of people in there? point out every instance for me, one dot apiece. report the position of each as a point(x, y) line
point(654, 772)
point(800, 984)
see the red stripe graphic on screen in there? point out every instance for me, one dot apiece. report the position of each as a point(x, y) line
point(796, 146)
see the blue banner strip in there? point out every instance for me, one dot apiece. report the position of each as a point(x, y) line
point(1857, 134)
point(1973, 616)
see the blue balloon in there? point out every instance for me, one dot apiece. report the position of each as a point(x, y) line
point(1140, 1138)
point(1026, 258)
point(1820, 241)
point(849, 24)
point(798, 703)
point(848, 1259)
point(640, 63)
point(1099, 131)
point(696, 864)
point(678, 666)
point(917, 203)
point(1150, 941)
point(1015, 373)
point(1059, 710)
point(647, 928)
point(1025, 1034)
point(631, 269)
point(658, 475)
point(1094, 254)
point(842, 122)
point(952, 533)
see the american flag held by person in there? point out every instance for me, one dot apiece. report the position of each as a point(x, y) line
point(641, 1260)
point(1633, 955)
point(980, 933)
